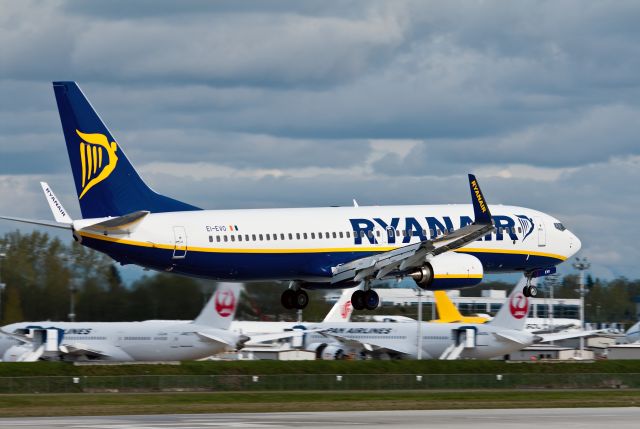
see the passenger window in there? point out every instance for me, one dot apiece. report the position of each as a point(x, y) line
point(233, 238)
point(431, 233)
point(390, 232)
point(378, 233)
point(281, 236)
point(268, 236)
point(327, 235)
point(304, 235)
point(397, 233)
point(334, 235)
point(218, 238)
point(340, 234)
point(275, 236)
point(313, 235)
point(404, 232)
point(226, 239)
point(211, 239)
point(298, 236)
point(519, 230)
point(246, 237)
point(361, 234)
point(290, 236)
point(240, 237)
point(260, 236)
point(253, 237)
point(349, 234)
point(370, 234)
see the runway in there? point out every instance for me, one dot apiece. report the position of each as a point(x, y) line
point(449, 419)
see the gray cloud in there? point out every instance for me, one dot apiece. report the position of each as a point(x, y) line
point(292, 99)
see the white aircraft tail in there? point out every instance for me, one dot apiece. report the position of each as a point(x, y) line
point(220, 310)
point(342, 309)
point(513, 313)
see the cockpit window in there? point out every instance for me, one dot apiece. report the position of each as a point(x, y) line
point(559, 226)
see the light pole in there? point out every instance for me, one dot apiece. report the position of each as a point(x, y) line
point(581, 265)
point(72, 303)
point(419, 342)
point(2, 285)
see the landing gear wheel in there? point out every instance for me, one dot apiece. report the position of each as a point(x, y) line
point(371, 299)
point(358, 300)
point(301, 299)
point(288, 299)
point(530, 291)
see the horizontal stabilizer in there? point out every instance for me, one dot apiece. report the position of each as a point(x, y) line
point(39, 222)
point(118, 224)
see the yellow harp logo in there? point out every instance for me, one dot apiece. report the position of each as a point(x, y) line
point(98, 158)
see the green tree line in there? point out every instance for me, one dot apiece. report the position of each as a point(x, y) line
point(41, 273)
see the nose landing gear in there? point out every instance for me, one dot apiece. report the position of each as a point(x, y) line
point(530, 291)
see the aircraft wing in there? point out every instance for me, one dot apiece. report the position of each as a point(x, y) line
point(261, 338)
point(79, 349)
point(22, 338)
point(369, 345)
point(213, 337)
point(406, 258)
point(515, 336)
point(543, 338)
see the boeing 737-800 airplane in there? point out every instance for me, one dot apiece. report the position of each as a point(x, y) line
point(440, 246)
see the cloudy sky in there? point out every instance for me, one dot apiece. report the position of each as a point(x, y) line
point(228, 104)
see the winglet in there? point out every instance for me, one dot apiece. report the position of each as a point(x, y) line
point(59, 212)
point(480, 207)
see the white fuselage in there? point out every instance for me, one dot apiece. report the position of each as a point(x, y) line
point(128, 341)
point(304, 244)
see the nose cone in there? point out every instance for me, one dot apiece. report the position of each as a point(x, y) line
point(574, 244)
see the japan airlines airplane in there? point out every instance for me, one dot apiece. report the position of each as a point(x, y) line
point(504, 334)
point(361, 340)
point(440, 246)
point(151, 340)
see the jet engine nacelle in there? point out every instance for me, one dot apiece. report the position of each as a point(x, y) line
point(334, 351)
point(449, 270)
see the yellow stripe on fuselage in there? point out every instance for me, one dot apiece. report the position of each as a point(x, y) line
point(302, 250)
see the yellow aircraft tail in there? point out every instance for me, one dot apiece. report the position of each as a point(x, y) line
point(448, 313)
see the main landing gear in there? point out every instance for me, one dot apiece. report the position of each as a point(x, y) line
point(530, 291)
point(365, 299)
point(294, 297)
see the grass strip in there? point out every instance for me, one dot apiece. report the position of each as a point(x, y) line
point(47, 405)
point(19, 369)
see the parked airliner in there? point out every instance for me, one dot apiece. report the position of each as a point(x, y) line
point(439, 246)
point(150, 340)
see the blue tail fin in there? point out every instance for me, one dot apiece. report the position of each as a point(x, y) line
point(106, 182)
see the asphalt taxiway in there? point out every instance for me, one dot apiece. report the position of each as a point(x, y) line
point(620, 418)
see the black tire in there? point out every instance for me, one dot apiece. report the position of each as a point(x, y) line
point(371, 299)
point(287, 299)
point(526, 291)
point(357, 300)
point(533, 291)
point(301, 299)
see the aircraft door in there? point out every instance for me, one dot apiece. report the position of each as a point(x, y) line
point(389, 233)
point(180, 242)
point(542, 234)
